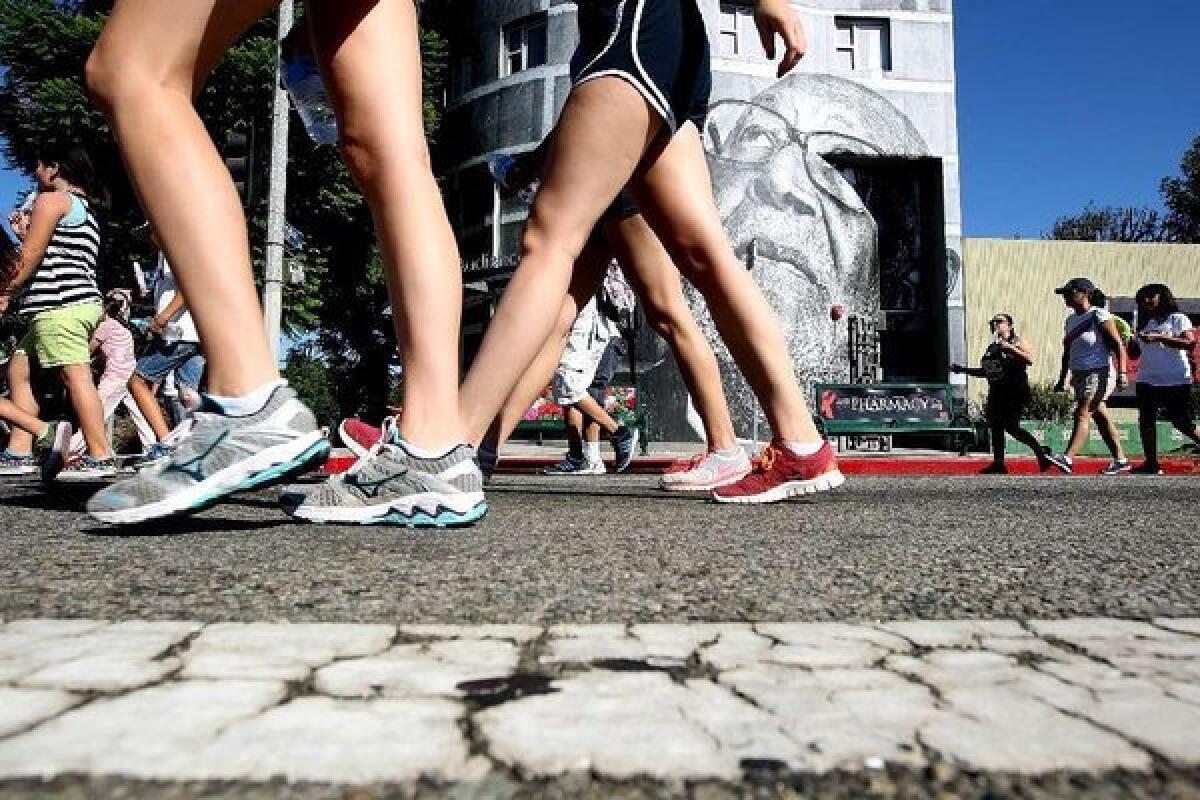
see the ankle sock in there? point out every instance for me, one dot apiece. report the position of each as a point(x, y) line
point(804, 448)
point(249, 403)
point(421, 452)
point(734, 453)
point(591, 451)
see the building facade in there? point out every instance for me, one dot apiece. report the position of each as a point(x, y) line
point(850, 196)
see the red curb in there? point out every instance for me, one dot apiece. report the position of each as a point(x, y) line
point(851, 465)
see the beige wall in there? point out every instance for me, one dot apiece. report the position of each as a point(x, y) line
point(1019, 277)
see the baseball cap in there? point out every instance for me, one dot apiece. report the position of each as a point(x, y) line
point(1076, 285)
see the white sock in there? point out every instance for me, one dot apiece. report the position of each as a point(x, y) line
point(804, 448)
point(591, 451)
point(734, 453)
point(249, 403)
point(421, 452)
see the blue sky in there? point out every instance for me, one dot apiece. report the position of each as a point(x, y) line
point(1061, 103)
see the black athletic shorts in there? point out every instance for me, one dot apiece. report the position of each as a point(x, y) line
point(658, 46)
point(1175, 401)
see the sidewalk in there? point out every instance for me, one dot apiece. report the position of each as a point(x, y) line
point(529, 458)
point(466, 705)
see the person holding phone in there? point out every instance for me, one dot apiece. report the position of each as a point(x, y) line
point(1005, 365)
point(1164, 381)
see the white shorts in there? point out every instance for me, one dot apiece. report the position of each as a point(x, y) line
point(577, 367)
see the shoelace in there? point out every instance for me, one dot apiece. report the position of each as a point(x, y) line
point(388, 429)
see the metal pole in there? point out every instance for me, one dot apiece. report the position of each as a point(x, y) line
point(277, 191)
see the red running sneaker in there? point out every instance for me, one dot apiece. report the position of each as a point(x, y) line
point(778, 474)
point(358, 435)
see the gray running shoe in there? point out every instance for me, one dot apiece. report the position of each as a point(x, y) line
point(222, 454)
point(54, 446)
point(391, 486)
point(13, 465)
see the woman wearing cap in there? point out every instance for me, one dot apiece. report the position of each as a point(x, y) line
point(1164, 378)
point(1090, 340)
point(1006, 364)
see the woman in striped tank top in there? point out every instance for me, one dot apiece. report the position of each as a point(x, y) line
point(54, 290)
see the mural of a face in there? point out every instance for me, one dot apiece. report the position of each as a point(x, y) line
point(794, 219)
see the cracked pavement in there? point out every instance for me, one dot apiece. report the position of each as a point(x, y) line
point(970, 637)
point(444, 704)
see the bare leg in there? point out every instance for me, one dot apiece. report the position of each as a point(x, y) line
point(1108, 431)
point(601, 136)
point(655, 279)
point(1082, 429)
point(27, 423)
point(20, 390)
point(675, 193)
point(88, 408)
point(596, 413)
point(585, 280)
point(371, 61)
point(148, 64)
point(143, 394)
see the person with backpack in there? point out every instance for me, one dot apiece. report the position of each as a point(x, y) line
point(1164, 378)
point(1090, 342)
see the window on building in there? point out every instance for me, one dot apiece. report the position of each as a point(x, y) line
point(863, 44)
point(523, 45)
point(735, 23)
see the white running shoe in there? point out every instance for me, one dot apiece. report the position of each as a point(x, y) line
point(705, 472)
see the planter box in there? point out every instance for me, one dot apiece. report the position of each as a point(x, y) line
point(1056, 435)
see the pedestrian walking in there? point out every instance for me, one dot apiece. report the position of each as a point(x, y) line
point(1164, 343)
point(586, 368)
point(1005, 364)
point(150, 60)
point(172, 354)
point(628, 126)
point(113, 342)
point(54, 289)
point(624, 235)
point(1095, 356)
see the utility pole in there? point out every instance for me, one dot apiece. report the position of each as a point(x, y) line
point(277, 190)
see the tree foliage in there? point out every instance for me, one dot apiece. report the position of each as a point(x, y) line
point(1181, 194)
point(1180, 223)
point(342, 300)
point(1110, 224)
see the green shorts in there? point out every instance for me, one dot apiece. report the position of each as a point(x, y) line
point(62, 337)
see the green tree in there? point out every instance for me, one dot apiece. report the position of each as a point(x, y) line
point(1110, 224)
point(1182, 197)
point(44, 45)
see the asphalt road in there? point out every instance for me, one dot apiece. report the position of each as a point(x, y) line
point(616, 549)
